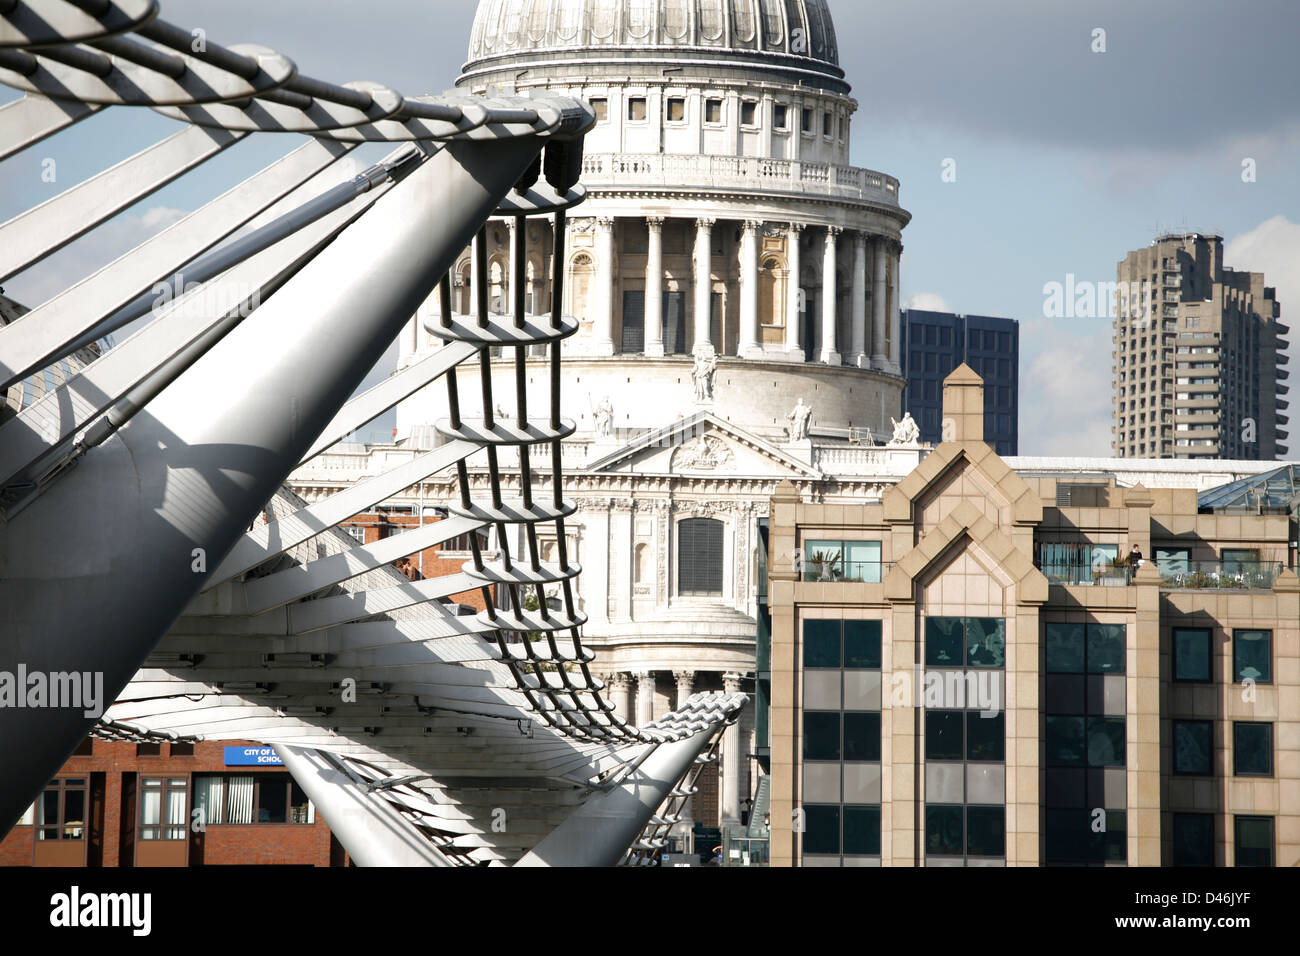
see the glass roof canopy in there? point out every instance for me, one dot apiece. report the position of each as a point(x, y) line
point(1273, 491)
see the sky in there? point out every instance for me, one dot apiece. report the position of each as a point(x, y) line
point(1029, 147)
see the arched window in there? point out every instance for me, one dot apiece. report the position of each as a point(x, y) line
point(699, 556)
point(497, 290)
point(641, 563)
point(581, 271)
point(462, 302)
point(770, 307)
point(532, 295)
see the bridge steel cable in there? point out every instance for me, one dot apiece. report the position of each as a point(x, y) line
point(146, 483)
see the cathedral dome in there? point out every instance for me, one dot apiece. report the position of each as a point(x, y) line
point(792, 36)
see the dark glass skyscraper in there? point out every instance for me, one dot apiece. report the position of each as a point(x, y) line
point(935, 343)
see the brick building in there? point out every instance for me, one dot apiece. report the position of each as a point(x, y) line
point(154, 802)
point(447, 558)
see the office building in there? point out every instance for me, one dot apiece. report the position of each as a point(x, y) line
point(1199, 356)
point(1006, 687)
point(935, 343)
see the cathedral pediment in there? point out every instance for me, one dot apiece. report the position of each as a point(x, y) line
point(702, 446)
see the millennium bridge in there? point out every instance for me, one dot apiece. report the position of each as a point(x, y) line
point(146, 537)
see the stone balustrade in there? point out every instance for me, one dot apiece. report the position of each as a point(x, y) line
point(753, 173)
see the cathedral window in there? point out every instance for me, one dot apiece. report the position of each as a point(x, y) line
point(699, 557)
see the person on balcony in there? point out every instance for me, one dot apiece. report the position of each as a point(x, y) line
point(1135, 560)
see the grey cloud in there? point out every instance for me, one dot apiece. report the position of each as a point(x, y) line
point(1175, 74)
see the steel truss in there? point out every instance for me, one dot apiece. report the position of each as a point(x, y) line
point(139, 489)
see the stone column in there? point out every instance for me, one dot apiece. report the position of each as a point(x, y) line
point(645, 697)
point(654, 287)
point(748, 345)
point(594, 586)
point(620, 540)
point(894, 345)
point(703, 285)
point(514, 241)
point(685, 687)
point(829, 354)
point(731, 758)
point(603, 300)
point(793, 297)
point(620, 693)
point(878, 300)
point(858, 355)
point(473, 276)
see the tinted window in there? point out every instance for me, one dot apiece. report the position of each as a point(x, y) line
point(821, 643)
point(862, 644)
point(944, 641)
point(821, 735)
point(1252, 654)
point(985, 736)
point(1193, 747)
point(986, 833)
point(1253, 838)
point(1065, 742)
point(862, 830)
point(1252, 749)
point(1191, 654)
point(821, 829)
point(1193, 843)
point(862, 736)
point(943, 734)
point(943, 831)
point(1064, 647)
point(1105, 648)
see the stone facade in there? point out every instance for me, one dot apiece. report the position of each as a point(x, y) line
point(1136, 715)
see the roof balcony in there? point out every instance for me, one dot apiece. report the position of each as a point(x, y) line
point(751, 173)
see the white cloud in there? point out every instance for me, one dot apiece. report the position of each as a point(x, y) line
point(1273, 248)
point(929, 302)
point(1065, 394)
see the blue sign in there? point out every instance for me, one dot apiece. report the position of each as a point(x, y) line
point(252, 757)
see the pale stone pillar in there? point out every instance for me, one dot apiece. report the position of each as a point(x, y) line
point(654, 287)
point(731, 759)
point(594, 583)
point(703, 285)
point(685, 687)
point(645, 697)
point(473, 274)
point(620, 694)
point(829, 354)
point(603, 301)
point(620, 535)
point(894, 345)
point(879, 298)
point(793, 297)
point(748, 345)
point(514, 242)
point(858, 355)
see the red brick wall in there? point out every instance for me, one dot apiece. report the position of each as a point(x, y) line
point(430, 561)
point(305, 844)
point(267, 844)
point(16, 848)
